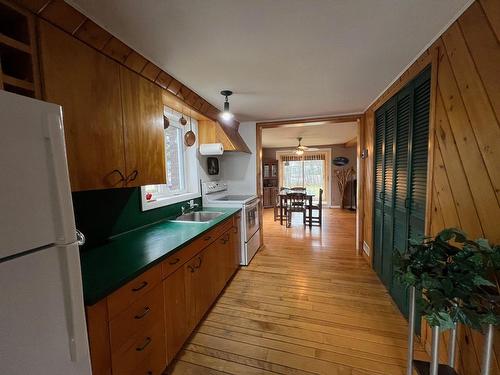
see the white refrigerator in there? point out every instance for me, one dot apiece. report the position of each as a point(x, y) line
point(42, 317)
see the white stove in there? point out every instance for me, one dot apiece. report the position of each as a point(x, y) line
point(215, 194)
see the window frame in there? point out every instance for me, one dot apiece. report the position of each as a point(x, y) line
point(328, 169)
point(190, 167)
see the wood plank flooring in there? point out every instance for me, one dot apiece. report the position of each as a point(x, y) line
point(307, 304)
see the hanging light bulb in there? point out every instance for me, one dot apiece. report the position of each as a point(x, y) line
point(226, 115)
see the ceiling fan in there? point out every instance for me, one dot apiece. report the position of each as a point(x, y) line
point(300, 149)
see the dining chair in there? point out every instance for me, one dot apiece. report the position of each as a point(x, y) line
point(277, 206)
point(296, 202)
point(316, 207)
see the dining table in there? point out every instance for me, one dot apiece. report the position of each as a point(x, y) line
point(283, 194)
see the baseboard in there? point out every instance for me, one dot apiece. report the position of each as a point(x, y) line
point(334, 206)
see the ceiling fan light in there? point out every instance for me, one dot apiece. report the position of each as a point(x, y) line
point(299, 151)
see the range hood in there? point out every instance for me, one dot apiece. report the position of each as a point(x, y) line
point(210, 131)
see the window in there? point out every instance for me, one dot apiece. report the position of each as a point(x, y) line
point(308, 170)
point(181, 166)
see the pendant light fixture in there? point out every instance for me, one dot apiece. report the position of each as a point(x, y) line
point(226, 115)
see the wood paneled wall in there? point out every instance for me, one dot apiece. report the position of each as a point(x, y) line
point(464, 171)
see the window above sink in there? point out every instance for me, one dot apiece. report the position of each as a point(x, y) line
point(181, 165)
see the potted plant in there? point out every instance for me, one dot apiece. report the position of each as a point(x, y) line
point(457, 279)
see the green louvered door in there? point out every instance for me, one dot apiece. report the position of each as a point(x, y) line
point(388, 192)
point(378, 189)
point(401, 147)
point(418, 154)
point(404, 100)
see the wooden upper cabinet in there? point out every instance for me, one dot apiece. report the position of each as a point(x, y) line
point(87, 85)
point(214, 132)
point(143, 129)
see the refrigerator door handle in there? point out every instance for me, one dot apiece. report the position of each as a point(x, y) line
point(73, 297)
point(66, 231)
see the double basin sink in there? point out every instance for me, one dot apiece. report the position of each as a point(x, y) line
point(197, 217)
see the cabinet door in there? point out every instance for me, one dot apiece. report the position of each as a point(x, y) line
point(87, 85)
point(201, 281)
point(176, 312)
point(267, 197)
point(143, 124)
point(235, 251)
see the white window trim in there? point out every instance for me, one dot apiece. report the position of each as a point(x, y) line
point(192, 186)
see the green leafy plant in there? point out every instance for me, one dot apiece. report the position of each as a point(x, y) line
point(458, 278)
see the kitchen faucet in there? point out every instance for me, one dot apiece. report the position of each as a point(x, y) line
point(188, 207)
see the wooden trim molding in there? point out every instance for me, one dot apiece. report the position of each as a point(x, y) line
point(432, 138)
point(358, 118)
point(330, 119)
point(72, 21)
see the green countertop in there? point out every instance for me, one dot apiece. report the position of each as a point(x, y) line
point(108, 267)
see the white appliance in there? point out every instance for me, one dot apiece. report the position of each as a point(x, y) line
point(215, 194)
point(42, 317)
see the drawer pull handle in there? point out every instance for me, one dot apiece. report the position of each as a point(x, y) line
point(174, 261)
point(146, 312)
point(142, 286)
point(199, 263)
point(143, 346)
point(208, 238)
point(191, 268)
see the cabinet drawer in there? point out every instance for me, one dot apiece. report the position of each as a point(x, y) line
point(176, 260)
point(222, 228)
point(143, 314)
point(141, 351)
point(153, 365)
point(133, 290)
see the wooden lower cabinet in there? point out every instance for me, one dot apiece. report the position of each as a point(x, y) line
point(140, 328)
point(176, 309)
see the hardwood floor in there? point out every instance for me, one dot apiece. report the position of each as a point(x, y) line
point(307, 304)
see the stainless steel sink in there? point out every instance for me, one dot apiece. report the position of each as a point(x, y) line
point(197, 217)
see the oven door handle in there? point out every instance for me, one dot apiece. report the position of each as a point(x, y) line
point(252, 204)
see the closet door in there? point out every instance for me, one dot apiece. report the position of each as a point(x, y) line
point(418, 155)
point(379, 184)
point(404, 116)
point(388, 193)
point(401, 148)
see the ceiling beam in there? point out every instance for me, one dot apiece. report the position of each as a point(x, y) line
point(329, 119)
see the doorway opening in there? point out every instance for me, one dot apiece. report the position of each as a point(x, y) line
point(313, 154)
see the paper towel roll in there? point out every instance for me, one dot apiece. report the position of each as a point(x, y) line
point(211, 148)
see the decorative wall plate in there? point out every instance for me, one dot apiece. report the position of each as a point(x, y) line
point(340, 161)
